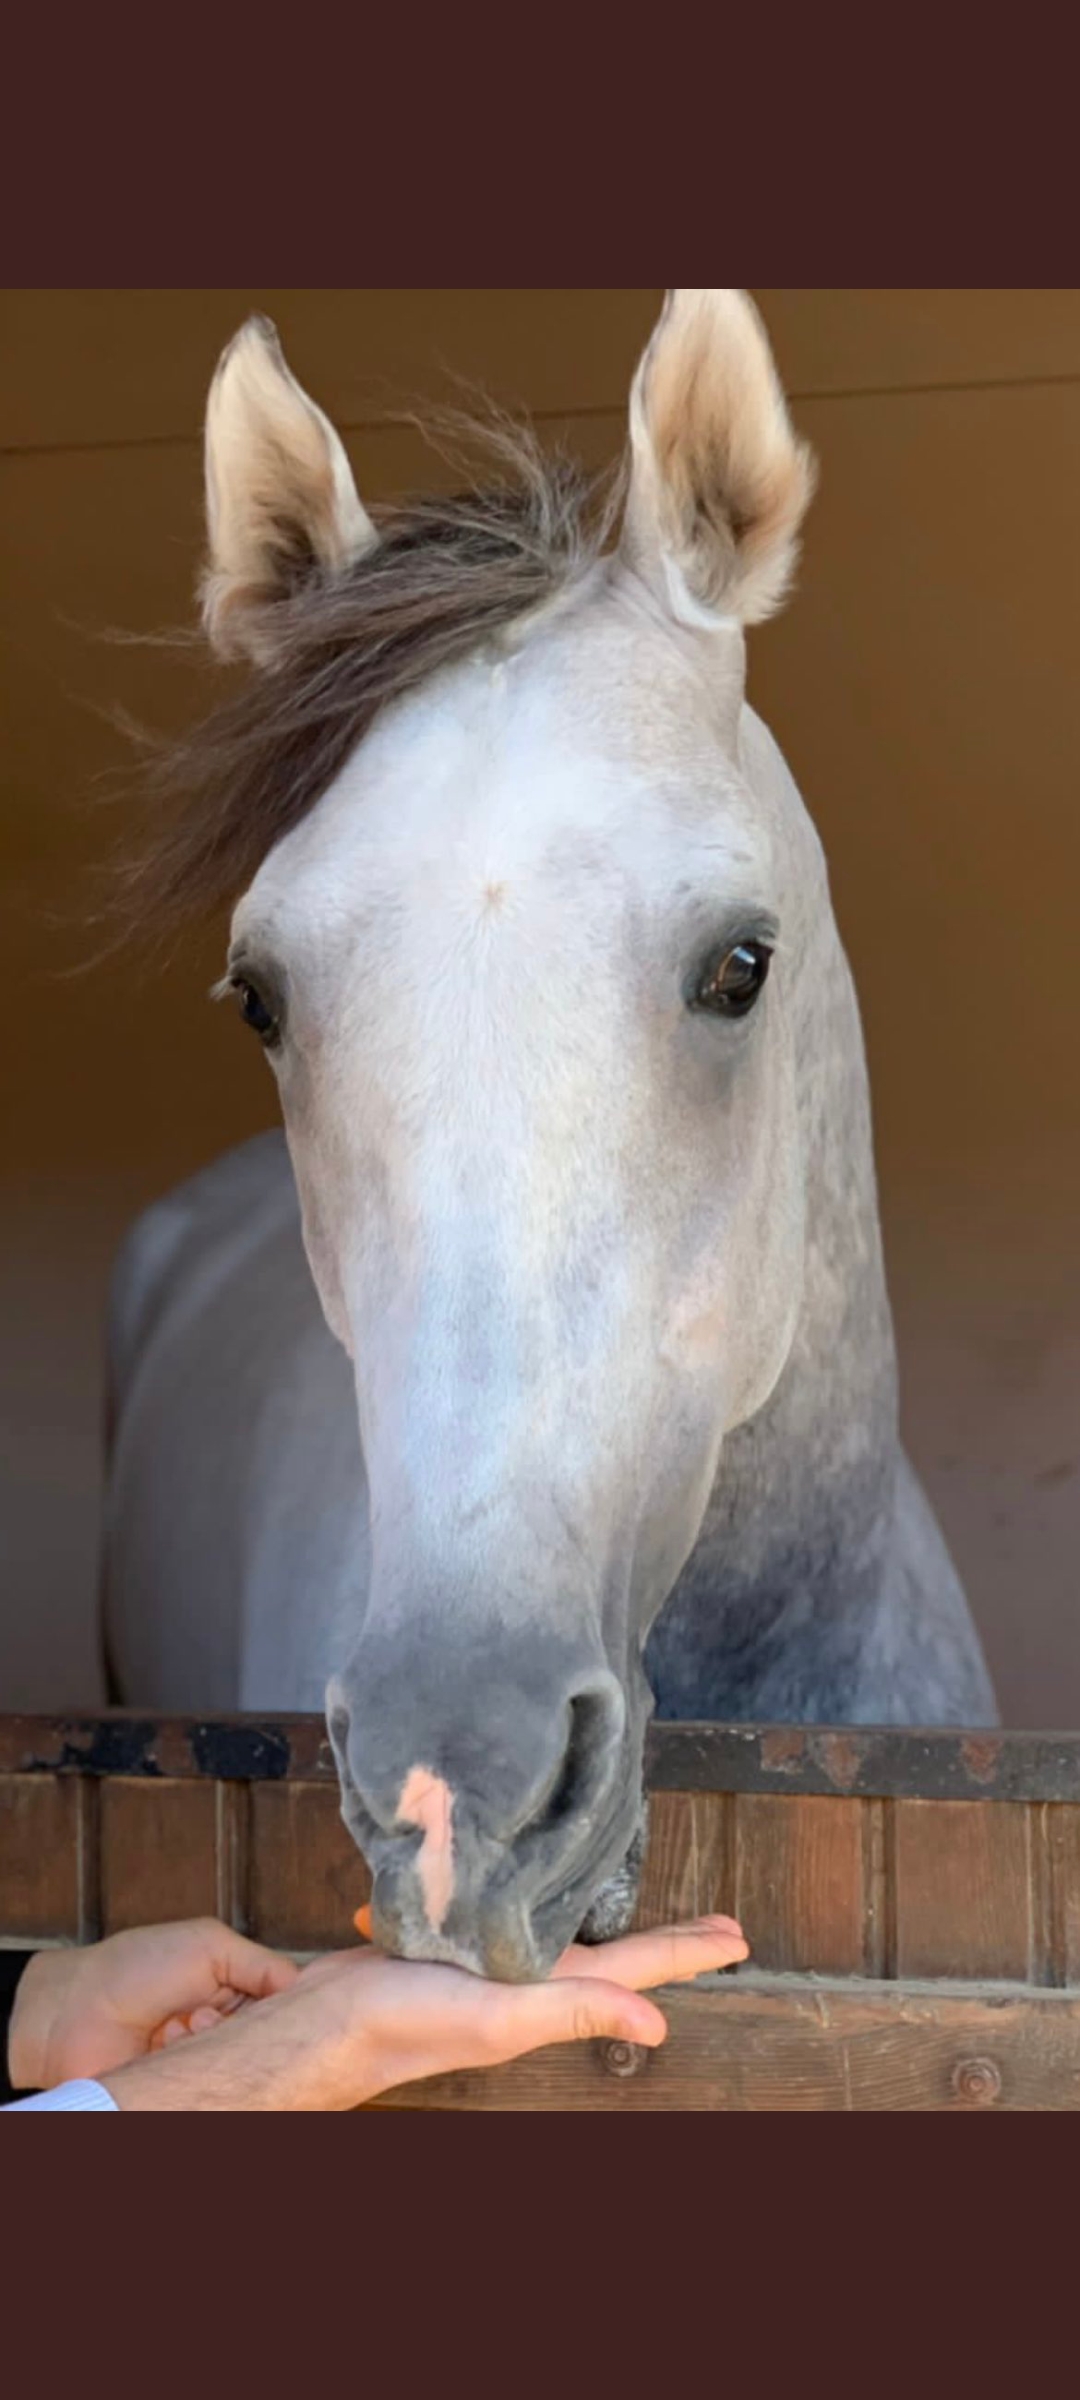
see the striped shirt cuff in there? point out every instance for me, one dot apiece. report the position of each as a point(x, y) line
point(77, 2094)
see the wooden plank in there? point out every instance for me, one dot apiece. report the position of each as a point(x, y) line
point(232, 1853)
point(307, 1877)
point(963, 1894)
point(158, 1851)
point(39, 1859)
point(799, 1891)
point(1063, 1840)
point(669, 1876)
point(689, 1867)
point(145, 358)
point(879, 1913)
point(856, 1762)
point(796, 2046)
point(713, 1818)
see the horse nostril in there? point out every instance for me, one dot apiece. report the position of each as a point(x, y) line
point(520, 1811)
point(592, 1748)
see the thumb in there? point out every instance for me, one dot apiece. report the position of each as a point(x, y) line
point(576, 2009)
point(249, 1970)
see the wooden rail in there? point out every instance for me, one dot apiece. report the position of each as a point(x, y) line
point(768, 2043)
point(924, 1763)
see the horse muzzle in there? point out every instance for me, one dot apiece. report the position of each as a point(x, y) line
point(489, 1854)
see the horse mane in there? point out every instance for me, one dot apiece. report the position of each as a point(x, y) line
point(446, 575)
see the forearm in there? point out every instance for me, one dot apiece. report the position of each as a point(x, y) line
point(173, 2079)
point(258, 2061)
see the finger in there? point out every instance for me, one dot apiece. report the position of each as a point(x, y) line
point(173, 2030)
point(668, 1954)
point(202, 2020)
point(671, 1954)
point(575, 2009)
point(248, 1969)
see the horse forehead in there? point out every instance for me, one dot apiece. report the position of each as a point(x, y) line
point(592, 680)
point(509, 767)
point(514, 748)
point(538, 787)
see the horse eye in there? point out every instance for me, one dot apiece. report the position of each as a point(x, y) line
point(254, 1010)
point(730, 985)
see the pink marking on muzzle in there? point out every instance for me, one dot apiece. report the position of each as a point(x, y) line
point(428, 1802)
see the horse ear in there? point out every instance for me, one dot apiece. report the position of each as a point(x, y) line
point(719, 482)
point(281, 503)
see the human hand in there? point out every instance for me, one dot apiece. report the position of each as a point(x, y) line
point(420, 2020)
point(84, 2011)
point(355, 2024)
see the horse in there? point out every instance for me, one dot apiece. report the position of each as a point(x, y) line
point(541, 1373)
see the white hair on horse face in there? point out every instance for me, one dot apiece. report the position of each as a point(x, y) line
point(457, 1074)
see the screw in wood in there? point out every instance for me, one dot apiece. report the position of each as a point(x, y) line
point(976, 2079)
point(623, 2058)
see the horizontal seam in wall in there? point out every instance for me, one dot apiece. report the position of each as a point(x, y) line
point(403, 422)
point(569, 416)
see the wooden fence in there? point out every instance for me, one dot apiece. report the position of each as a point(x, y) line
point(912, 1899)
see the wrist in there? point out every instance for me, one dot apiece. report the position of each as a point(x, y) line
point(158, 2082)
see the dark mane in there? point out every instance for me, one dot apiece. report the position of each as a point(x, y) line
point(445, 575)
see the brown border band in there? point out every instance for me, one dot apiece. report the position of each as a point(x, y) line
point(863, 1762)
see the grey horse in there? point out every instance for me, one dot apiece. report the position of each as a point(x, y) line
point(543, 1372)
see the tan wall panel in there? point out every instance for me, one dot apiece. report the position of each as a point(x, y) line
point(924, 687)
point(844, 340)
point(115, 366)
point(119, 366)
